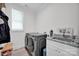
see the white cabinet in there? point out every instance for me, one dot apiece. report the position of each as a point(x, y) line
point(53, 50)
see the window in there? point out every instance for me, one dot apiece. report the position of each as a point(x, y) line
point(17, 20)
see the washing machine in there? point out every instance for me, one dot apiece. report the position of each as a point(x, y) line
point(35, 43)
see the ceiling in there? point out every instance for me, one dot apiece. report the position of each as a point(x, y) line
point(36, 7)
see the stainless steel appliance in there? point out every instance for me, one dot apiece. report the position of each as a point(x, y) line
point(35, 43)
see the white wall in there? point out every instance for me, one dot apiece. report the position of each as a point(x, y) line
point(18, 37)
point(58, 16)
point(29, 21)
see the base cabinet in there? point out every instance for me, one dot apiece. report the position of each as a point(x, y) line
point(52, 50)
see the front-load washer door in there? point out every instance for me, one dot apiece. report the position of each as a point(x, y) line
point(30, 45)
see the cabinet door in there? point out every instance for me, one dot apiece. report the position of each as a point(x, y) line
point(51, 51)
point(55, 51)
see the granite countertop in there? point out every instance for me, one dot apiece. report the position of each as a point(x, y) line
point(64, 42)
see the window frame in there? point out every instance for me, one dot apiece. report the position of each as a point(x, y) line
point(17, 30)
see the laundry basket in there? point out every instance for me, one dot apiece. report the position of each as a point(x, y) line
point(44, 52)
